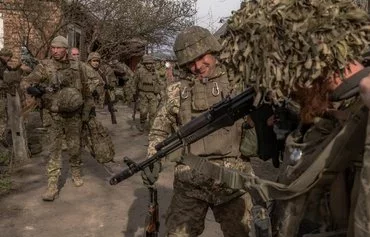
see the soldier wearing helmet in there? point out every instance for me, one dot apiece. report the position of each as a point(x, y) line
point(206, 84)
point(104, 82)
point(147, 87)
point(68, 103)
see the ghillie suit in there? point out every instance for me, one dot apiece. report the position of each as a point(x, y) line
point(280, 45)
point(285, 49)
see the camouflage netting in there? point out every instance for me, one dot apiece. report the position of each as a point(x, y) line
point(279, 46)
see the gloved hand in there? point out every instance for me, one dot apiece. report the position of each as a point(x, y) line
point(150, 174)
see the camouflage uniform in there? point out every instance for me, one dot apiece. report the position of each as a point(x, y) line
point(148, 87)
point(107, 72)
point(315, 189)
point(194, 194)
point(3, 90)
point(56, 75)
point(96, 82)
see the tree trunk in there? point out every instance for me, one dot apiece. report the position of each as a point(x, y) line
point(16, 124)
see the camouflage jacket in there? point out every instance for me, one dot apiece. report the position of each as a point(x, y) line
point(148, 81)
point(56, 75)
point(189, 98)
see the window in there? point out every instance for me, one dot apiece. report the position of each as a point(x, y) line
point(74, 36)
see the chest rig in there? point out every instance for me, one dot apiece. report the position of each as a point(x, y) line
point(196, 97)
point(148, 81)
point(61, 75)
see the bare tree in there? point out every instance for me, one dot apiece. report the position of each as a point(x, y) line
point(121, 23)
point(112, 27)
point(35, 23)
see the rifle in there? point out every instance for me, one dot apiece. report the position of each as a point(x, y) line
point(108, 98)
point(152, 218)
point(110, 107)
point(220, 115)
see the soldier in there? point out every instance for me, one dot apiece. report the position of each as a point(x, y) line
point(68, 102)
point(74, 54)
point(196, 49)
point(104, 90)
point(5, 57)
point(96, 82)
point(147, 87)
point(287, 57)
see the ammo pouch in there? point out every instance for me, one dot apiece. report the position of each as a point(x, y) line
point(98, 141)
point(146, 87)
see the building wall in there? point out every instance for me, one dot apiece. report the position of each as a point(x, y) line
point(35, 32)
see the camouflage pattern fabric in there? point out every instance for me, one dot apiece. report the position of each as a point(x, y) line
point(148, 86)
point(111, 78)
point(185, 216)
point(96, 86)
point(311, 40)
point(194, 194)
point(68, 128)
point(148, 105)
point(98, 141)
point(362, 209)
point(55, 74)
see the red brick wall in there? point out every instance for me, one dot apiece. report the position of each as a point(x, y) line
point(17, 28)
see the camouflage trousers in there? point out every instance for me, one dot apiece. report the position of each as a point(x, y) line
point(186, 215)
point(69, 129)
point(148, 105)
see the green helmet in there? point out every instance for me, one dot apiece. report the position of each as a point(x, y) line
point(194, 42)
point(93, 55)
point(68, 100)
point(148, 59)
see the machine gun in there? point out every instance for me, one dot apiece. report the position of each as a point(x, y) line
point(220, 115)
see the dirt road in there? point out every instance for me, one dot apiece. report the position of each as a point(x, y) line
point(96, 209)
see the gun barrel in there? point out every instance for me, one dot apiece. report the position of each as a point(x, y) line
point(125, 174)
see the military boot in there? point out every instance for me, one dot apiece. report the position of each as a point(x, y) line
point(52, 190)
point(76, 176)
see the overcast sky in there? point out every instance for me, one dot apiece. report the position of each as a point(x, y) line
point(211, 11)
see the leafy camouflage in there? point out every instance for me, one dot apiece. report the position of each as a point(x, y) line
point(280, 45)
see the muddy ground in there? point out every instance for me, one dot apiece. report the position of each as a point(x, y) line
point(96, 209)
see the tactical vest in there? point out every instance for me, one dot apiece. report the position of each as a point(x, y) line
point(147, 80)
point(221, 147)
point(196, 98)
point(59, 76)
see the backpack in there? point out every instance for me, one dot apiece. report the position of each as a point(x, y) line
point(98, 141)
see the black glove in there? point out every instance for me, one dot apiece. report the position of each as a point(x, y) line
point(150, 174)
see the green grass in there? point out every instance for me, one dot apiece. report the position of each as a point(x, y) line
point(5, 183)
point(4, 157)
